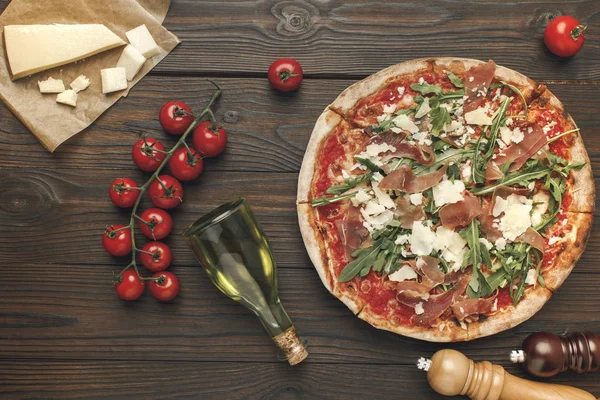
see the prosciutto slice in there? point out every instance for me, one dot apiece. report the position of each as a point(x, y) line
point(411, 292)
point(461, 213)
point(533, 238)
point(407, 213)
point(493, 172)
point(436, 305)
point(473, 307)
point(429, 268)
point(517, 154)
point(390, 138)
point(476, 89)
point(351, 230)
point(422, 154)
point(404, 180)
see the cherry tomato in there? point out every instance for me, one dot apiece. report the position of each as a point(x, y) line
point(564, 36)
point(147, 154)
point(186, 165)
point(155, 223)
point(285, 74)
point(117, 240)
point(209, 142)
point(166, 287)
point(165, 192)
point(129, 286)
point(175, 117)
point(160, 257)
point(121, 192)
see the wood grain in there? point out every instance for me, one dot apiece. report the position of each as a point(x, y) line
point(63, 332)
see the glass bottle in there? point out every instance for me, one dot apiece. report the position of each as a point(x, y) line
point(235, 253)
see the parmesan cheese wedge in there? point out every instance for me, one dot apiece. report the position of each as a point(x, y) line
point(51, 85)
point(34, 48)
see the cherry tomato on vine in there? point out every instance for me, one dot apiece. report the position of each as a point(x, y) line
point(117, 240)
point(209, 142)
point(160, 257)
point(129, 286)
point(155, 223)
point(175, 117)
point(285, 74)
point(165, 192)
point(185, 164)
point(166, 287)
point(121, 192)
point(564, 36)
point(148, 154)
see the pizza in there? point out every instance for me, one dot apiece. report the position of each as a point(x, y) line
point(445, 199)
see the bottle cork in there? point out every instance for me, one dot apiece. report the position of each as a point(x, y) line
point(291, 346)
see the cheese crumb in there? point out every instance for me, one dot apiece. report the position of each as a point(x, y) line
point(416, 199)
point(531, 277)
point(516, 217)
point(68, 97)
point(402, 121)
point(401, 90)
point(401, 239)
point(479, 116)
point(80, 83)
point(419, 308)
point(421, 239)
point(405, 273)
point(554, 239)
point(424, 109)
point(517, 135)
point(448, 192)
point(500, 243)
point(486, 243)
point(361, 196)
point(51, 85)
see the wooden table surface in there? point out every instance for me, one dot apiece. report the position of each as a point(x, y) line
point(63, 332)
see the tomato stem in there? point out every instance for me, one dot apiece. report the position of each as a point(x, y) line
point(206, 111)
point(578, 31)
point(285, 75)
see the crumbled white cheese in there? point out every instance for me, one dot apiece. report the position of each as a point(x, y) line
point(465, 172)
point(402, 121)
point(517, 135)
point(451, 245)
point(423, 109)
point(416, 198)
point(486, 243)
point(421, 239)
point(421, 80)
point(374, 149)
point(51, 85)
point(448, 192)
point(401, 90)
point(405, 273)
point(421, 137)
point(389, 108)
point(361, 196)
point(471, 78)
point(549, 127)
point(402, 239)
point(383, 198)
point(419, 308)
point(495, 305)
point(516, 218)
point(373, 208)
point(479, 116)
point(531, 277)
point(554, 239)
point(500, 243)
point(505, 134)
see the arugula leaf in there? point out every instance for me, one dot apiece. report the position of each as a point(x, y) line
point(438, 118)
point(328, 200)
point(454, 155)
point(364, 258)
point(369, 164)
point(479, 163)
point(349, 184)
point(453, 172)
point(456, 81)
point(426, 88)
point(477, 255)
point(388, 124)
point(516, 90)
point(533, 170)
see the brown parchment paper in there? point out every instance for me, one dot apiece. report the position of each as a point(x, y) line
point(53, 123)
point(158, 8)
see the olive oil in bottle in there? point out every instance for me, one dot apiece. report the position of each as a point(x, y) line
point(235, 253)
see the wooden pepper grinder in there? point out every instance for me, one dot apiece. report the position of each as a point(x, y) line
point(545, 354)
point(450, 373)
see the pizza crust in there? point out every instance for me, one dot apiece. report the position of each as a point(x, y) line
point(314, 244)
point(447, 331)
point(575, 240)
point(326, 123)
point(511, 316)
point(584, 189)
